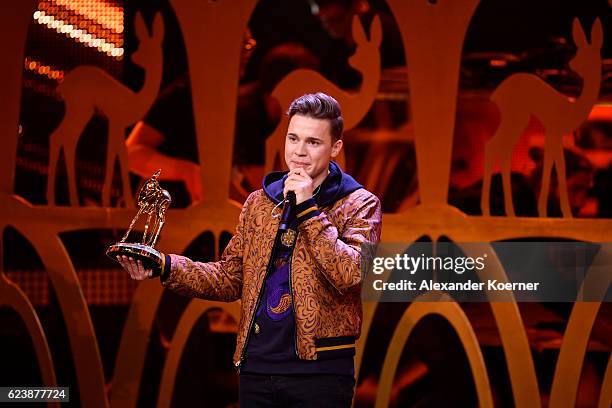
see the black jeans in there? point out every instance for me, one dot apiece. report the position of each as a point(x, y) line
point(299, 391)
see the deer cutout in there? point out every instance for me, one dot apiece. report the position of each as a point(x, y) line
point(521, 96)
point(354, 105)
point(88, 89)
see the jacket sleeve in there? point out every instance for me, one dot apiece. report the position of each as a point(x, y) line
point(337, 253)
point(220, 280)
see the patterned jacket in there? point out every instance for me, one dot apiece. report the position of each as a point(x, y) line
point(325, 272)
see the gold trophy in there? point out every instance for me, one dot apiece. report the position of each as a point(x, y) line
point(152, 201)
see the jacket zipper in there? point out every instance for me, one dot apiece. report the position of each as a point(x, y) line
point(238, 364)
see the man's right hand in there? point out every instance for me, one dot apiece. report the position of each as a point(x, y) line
point(134, 267)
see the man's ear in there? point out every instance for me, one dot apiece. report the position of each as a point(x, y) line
point(336, 148)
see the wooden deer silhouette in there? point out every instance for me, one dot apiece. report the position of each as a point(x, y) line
point(88, 89)
point(354, 105)
point(522, 95)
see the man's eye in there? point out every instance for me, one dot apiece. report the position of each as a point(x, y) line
point(314, 143)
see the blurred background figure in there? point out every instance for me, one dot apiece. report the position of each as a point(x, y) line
point(166, 138)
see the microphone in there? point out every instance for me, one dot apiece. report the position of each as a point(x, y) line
point(287, 213)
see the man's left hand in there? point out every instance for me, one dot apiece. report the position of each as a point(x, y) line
point(300, 183)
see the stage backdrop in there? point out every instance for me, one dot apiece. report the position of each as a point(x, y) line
point(432, 34)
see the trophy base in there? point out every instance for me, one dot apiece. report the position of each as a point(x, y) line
point(150, 257)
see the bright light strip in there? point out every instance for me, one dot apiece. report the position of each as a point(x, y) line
point(101, 20)
point(110, 17)
point(46, 70)
point(79, 35)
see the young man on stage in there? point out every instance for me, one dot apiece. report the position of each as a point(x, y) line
point(298, 279)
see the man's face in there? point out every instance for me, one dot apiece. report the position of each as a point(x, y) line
point(309, 145)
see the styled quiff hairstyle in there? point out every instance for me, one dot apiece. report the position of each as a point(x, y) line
point(319, 106)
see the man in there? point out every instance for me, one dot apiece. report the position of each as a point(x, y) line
point(300, 289)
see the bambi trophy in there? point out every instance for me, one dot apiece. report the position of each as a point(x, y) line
point(153, 201)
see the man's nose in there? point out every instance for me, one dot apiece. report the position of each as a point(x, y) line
point(300, 150)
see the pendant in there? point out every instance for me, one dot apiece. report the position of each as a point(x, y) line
point(288, 237)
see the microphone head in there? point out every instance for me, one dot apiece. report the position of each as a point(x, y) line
point(287, 214)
